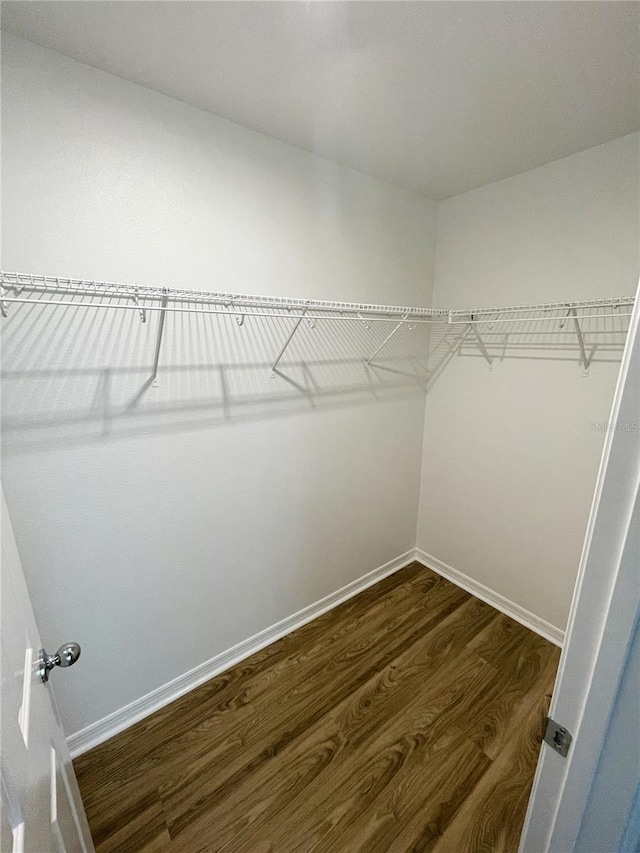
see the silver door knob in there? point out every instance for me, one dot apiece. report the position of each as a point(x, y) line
point(66, 655)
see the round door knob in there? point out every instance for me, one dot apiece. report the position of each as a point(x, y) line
point(66, 655)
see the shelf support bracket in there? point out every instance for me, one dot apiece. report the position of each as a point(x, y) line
point(386, 340)
point(583, 352)
point(156, 358)
point(480, 343)
point(286, 343)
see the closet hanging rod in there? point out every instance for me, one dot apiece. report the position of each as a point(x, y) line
point(545, 307)
point(441, 318)
point(494, 319)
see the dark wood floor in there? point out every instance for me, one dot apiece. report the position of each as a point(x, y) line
point(407, 719)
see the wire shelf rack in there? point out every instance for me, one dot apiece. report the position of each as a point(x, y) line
point(478, 323)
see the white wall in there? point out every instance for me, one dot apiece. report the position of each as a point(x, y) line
point(160, 532)
point(160, 527)
point(510, 456)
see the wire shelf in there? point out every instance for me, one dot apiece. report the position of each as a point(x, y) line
point(478, 323)
point(218, 302)
point(132, 297)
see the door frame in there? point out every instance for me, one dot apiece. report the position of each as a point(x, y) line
point(603, 613)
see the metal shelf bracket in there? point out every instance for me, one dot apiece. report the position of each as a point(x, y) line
point(141, 311)
point(386, 341)
point(156, 358)
point(583, 352)
point(481, 345)
point(286, 343)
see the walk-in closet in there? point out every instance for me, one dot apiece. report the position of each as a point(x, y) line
point(320, 426)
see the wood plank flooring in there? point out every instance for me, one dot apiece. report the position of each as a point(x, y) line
point(407, 719)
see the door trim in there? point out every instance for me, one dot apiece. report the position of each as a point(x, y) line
point(601, 621)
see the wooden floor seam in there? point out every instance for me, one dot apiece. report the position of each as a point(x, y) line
point(408, 718)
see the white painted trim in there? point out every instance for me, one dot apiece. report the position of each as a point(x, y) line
point(119, 720)
point(603, 613)
point(504, 605)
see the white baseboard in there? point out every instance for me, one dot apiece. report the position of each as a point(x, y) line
point(118, 721)
point(504, 605)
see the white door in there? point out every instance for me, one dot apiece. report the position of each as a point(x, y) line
point(600, 631)
point(41, 806)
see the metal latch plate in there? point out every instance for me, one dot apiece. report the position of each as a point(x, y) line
point(557, 737)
